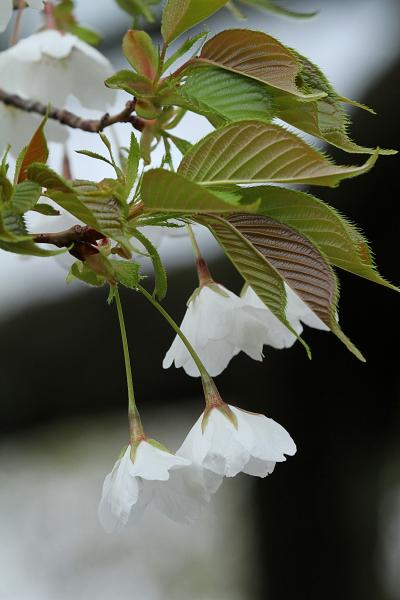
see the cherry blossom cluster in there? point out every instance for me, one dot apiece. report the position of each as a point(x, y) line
point(223, 442)
point(51, 66)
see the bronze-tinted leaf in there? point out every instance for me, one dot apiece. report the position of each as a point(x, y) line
point(299, 263)
point(257, 55)
point(36, 152)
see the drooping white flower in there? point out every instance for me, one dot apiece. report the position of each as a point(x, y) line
point(49, 66)
point(156, 476)
point(52, 68)
point(227, 440)
point(219, 325)
point(6, 11)
point(297, 312)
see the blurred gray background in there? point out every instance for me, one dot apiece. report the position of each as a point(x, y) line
point(326, 524)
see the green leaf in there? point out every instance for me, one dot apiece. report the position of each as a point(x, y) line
point(18, 164)
point(47, 178)
point(271, 6)
point(6, 189)
point(254, 152)
point(87, 35)
point(28, 248)
point(131, 82)
point(258, 56)
point(63, 14)
point(183, 49)
point(324, 118)
point(97, 208)
point(126, 273)
point(94, 155)
point(83, 272)
point(36, 152)
point(46, 209)
point(132, 164)
point(181, 15)
point(253, 266)
point(183, 145)
point(337, 239)
point(12, 227)
point(25, 196)
point(163, 190)
point(72, 203)
point(299, 263)
point(213, 92)
point(139, 8)
point(140, 53)
point(160, 274)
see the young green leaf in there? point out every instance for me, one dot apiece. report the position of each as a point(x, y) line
point(83, 272)
point(47, 178)
point(183, 145)
point(6, 189)
point(324, 118)
point(160, 274)
point(132, 164)
point(254, 152)
point(25, 196)
point(183, 49)
point(126, 273)
point(12, 227)
point(137, 8)
point(95, 156)
point(140, 53)
point(131, 82)
point(181, 15)
point(216, 93)
point(337, 239)
point(46, 209)
point(163, 190)
point(271, 6)
point(258, 56)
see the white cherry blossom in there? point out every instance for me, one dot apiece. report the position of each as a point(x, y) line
point(52, 68)
point(155, 476)
point(6, 10)
point(227, 440)
point(219, 325)
point(297, 312)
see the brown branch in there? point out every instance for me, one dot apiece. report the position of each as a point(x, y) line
point(77, 233)
point(70, 119)
point(81, 240)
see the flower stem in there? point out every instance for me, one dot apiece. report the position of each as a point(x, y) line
point(203, 371)
point(133, 413)
point(203, 272)
point(17, 24)
point(49, 15)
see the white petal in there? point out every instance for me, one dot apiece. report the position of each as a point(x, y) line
point(275, 333)
point(17, 128)
point(297, 309)
point(6, 11)
point(50, 67)
point(220, 448)
point(154, 464)
point(270, 440)
point(219, 326)
point(120, 493)
point(258, 467)
point(184, 496)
